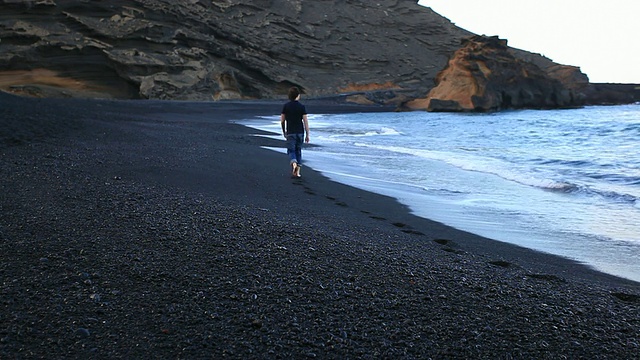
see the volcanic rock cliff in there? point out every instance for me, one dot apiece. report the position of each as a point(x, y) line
point(222, 49)
point(484, 75)
point(386, 51)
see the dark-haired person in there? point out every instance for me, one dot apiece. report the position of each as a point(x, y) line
point(294, 127)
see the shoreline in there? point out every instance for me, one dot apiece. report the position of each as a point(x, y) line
point(166, 225)
point(349, 171)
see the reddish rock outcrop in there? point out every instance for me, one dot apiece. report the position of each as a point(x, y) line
point(484, 75)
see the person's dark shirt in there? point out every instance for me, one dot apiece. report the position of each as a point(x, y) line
point(293, 112)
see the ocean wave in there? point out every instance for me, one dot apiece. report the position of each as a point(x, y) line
point(572, 163)
point(632, 128)
point(623, 172)
point(351, 132)
point(609, 195)
point(384, 131)
point(615, 178)
point(485, 165)
point(272, 122)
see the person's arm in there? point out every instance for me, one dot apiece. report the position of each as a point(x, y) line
point(305, 120)
point(282, 124)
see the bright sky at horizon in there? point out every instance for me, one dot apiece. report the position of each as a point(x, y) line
point(597, 36)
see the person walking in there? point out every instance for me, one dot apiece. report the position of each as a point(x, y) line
point(295, 128)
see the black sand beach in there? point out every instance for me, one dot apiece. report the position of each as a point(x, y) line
point(144, 229)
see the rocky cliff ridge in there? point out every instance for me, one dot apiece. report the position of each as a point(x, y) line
point(223, 49)
point(484, 75)
point(387, 51)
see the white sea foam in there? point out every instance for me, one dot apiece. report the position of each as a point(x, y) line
point(486, 165)
point(383, 131)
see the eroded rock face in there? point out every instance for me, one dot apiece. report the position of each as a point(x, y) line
point(222, 49)
point(484, 75)
point(385, 51)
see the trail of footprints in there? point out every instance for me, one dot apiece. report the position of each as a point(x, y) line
point(450, 246)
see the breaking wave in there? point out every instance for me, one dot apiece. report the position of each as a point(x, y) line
point(485, 165)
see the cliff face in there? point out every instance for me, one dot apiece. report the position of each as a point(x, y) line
point(387, 51)
point(485, 75)
point(221, 49)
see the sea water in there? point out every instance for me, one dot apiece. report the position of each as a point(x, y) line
point(565, 182)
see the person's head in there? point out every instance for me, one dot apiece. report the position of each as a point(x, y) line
point(294, 92)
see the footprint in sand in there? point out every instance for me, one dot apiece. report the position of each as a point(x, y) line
point(500, 263)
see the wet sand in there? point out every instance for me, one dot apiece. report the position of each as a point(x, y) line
point(146, 229)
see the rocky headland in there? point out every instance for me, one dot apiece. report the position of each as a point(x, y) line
point(484, 75)
point(387, 52)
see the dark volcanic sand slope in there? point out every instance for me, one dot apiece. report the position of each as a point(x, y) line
point(158, 230)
